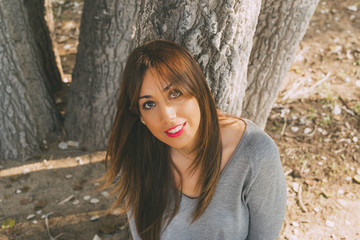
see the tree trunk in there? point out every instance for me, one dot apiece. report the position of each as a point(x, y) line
point(281, 26)
point(106, 33)
point(217, 33)
point(27, 77)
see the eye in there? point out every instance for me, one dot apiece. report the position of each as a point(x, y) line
point(174, 93)
point(148, 105)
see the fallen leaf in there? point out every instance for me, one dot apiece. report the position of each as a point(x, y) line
point(25, 189)
point(72, 143)
point(63, 145)
point(14, 178)
point(107, 229)
point(294, 129)
point(94, 218)
point(105, 194)
point(296, 174)
point(31, 216)
point(40, 204)
point(352, 8)
point(325, 193)
point(297, 70)
point(330, 223)
point(9, 223)
point(94, 200)
point(307, 130)
point(309, 182)
point(337, 117)
point(357, 178)
point(96, 237)
point(77, 187)
point(295, 186)
point(336, 110)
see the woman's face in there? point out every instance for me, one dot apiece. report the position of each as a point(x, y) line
point(170, 116)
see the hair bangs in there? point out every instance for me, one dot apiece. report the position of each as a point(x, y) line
point(135, 78)
point(175, 72)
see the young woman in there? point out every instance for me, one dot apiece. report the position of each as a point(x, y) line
point(183, 169)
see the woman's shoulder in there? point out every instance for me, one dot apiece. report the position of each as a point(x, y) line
point(242, 130)
point(256, 137)
point(259, 146)
point(242, 133)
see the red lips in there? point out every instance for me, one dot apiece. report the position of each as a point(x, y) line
point(170, 132)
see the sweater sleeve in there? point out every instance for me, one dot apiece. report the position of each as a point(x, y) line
point(266, 196)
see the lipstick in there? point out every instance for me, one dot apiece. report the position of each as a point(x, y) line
point(176, 130)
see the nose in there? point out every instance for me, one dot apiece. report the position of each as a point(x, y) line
point(168, 113)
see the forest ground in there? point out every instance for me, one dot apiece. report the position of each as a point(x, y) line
point(315, 122)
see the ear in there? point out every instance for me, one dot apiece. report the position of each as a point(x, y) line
point(142, 120)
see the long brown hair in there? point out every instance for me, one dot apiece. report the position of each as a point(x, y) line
point(146, 186)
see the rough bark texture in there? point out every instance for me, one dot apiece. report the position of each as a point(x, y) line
point(37, 16)
point(106, 33)
point(218, 34)
point(281, 26)
point(27, 112)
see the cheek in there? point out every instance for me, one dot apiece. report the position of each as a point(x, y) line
point(195, 107)
point(194, 110)
point(153, 124)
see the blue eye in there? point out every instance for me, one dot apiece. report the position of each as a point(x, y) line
point(174, 93)
point(148, 105)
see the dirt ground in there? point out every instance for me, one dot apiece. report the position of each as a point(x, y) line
point(315, 122)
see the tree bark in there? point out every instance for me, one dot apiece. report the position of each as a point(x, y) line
point(217, 33)
point(40, 20)
point(281, 26)
point(27, 77)
point(106, 33)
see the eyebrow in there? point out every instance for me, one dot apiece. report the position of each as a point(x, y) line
point(164, 90)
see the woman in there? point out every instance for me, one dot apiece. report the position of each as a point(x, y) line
point(183, 169)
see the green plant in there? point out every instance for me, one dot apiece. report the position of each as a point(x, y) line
point(325, 121)
point(312, 113)
point(357, 107)
point(329, 96)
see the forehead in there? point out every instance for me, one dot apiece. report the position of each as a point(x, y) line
point(152, 83)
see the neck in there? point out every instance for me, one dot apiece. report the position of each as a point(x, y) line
point(182, 160)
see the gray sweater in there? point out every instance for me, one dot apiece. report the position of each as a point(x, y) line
point(249, 201)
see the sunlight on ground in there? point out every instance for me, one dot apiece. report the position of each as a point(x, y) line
point(54, 164)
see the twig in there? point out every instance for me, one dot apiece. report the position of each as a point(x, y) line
point(66, 200)
point(284, 229)
point(284, 127)
point(58, 12)
point(301, 204)
point(304, 90)
point(326, 77)
point(303, 166)
point(354, 113)
point(312, 133)
point(59, 235)
point(48, 229)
